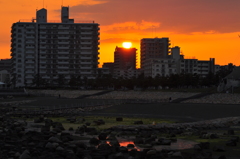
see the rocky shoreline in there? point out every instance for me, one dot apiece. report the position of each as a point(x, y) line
point(43, 139)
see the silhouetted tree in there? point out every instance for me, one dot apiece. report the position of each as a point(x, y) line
point(61, 81)
point(38, 81)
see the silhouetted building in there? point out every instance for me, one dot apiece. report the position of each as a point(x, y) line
point(110, 66)
point(124, 61)
point(174, 63)
point(152, 48)
point(231, 81)
point(50, 49)
point(5, 64)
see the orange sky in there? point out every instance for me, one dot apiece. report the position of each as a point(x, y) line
point(203, 29)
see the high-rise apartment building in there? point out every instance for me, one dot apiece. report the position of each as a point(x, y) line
point(50, 49)
point(153, 48)
point(124, 61)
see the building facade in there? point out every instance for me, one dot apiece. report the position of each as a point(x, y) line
point(5, 64)
point(153, 48)
point(124, 61)
point(160, 67)
point(49, 49)
point(174, 63)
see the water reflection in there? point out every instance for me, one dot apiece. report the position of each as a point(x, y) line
point(178, 145)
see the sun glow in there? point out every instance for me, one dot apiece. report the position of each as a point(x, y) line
point(127, 45)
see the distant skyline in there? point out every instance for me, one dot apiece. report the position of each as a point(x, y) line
point(201, 28)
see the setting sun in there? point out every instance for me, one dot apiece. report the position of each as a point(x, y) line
point(127, 45)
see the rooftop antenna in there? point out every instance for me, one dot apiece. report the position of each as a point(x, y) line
point(154, 31)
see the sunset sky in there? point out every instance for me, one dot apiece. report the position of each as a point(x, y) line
point(203, 29)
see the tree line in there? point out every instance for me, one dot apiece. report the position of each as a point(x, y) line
point(108, 82)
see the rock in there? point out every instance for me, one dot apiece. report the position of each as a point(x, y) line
point(214, 136)
point(104, 146)
point(57, 130)
point(138, 122)
point(50, 146)
point(94, 141)
point(45, 129)
point(119, 156)
point(151, 152)
point(119, 119)
point(177, 155)
point(165, 142)
point(59, 148)
point(130, 146)
point(219, 148)
point(37, 121)
point(87, 123)
point(114, 143)
point(87, 157)
point(205, 145)
point(54, 139)
point(99, 122)
point(222, 157)
point(102, 136)
point(138, 140)
point(17, 154)
point(235, 138)
point(197, 147)
point(231, 143)
point(123, 149)
point(231, 132)
point(25, 155)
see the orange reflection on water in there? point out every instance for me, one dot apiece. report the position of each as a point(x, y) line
point(125, 143)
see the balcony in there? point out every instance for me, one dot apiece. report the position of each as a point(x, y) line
point(86, 33)
point(63, 67)
point(30, 42)
point(63, 62)
point(86, 43)
point(63, 32)
point(29, 67)
point(63, 42)
point(30, 62)
point(30, 32)
point(29, 57)
point(85, 58)
point(86, 63)
point(87, 48)
point(63, 53)
point(30, 27)
point(63, 47)
point(30, 47)
point(86, 38)
point(86, 53)
point(43, 32)
point(65, 37)
point(86, 73)
point(30, 72)
point(86, 68)
point(30, 37)
point(63, 72)
point(87, 28)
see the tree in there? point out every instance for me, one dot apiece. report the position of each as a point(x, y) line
point(38, 81)
point(73, 81)
point(61, 80)
point(7, 81)
point(13, 80)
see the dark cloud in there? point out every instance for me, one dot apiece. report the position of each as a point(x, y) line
point(183, 16)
